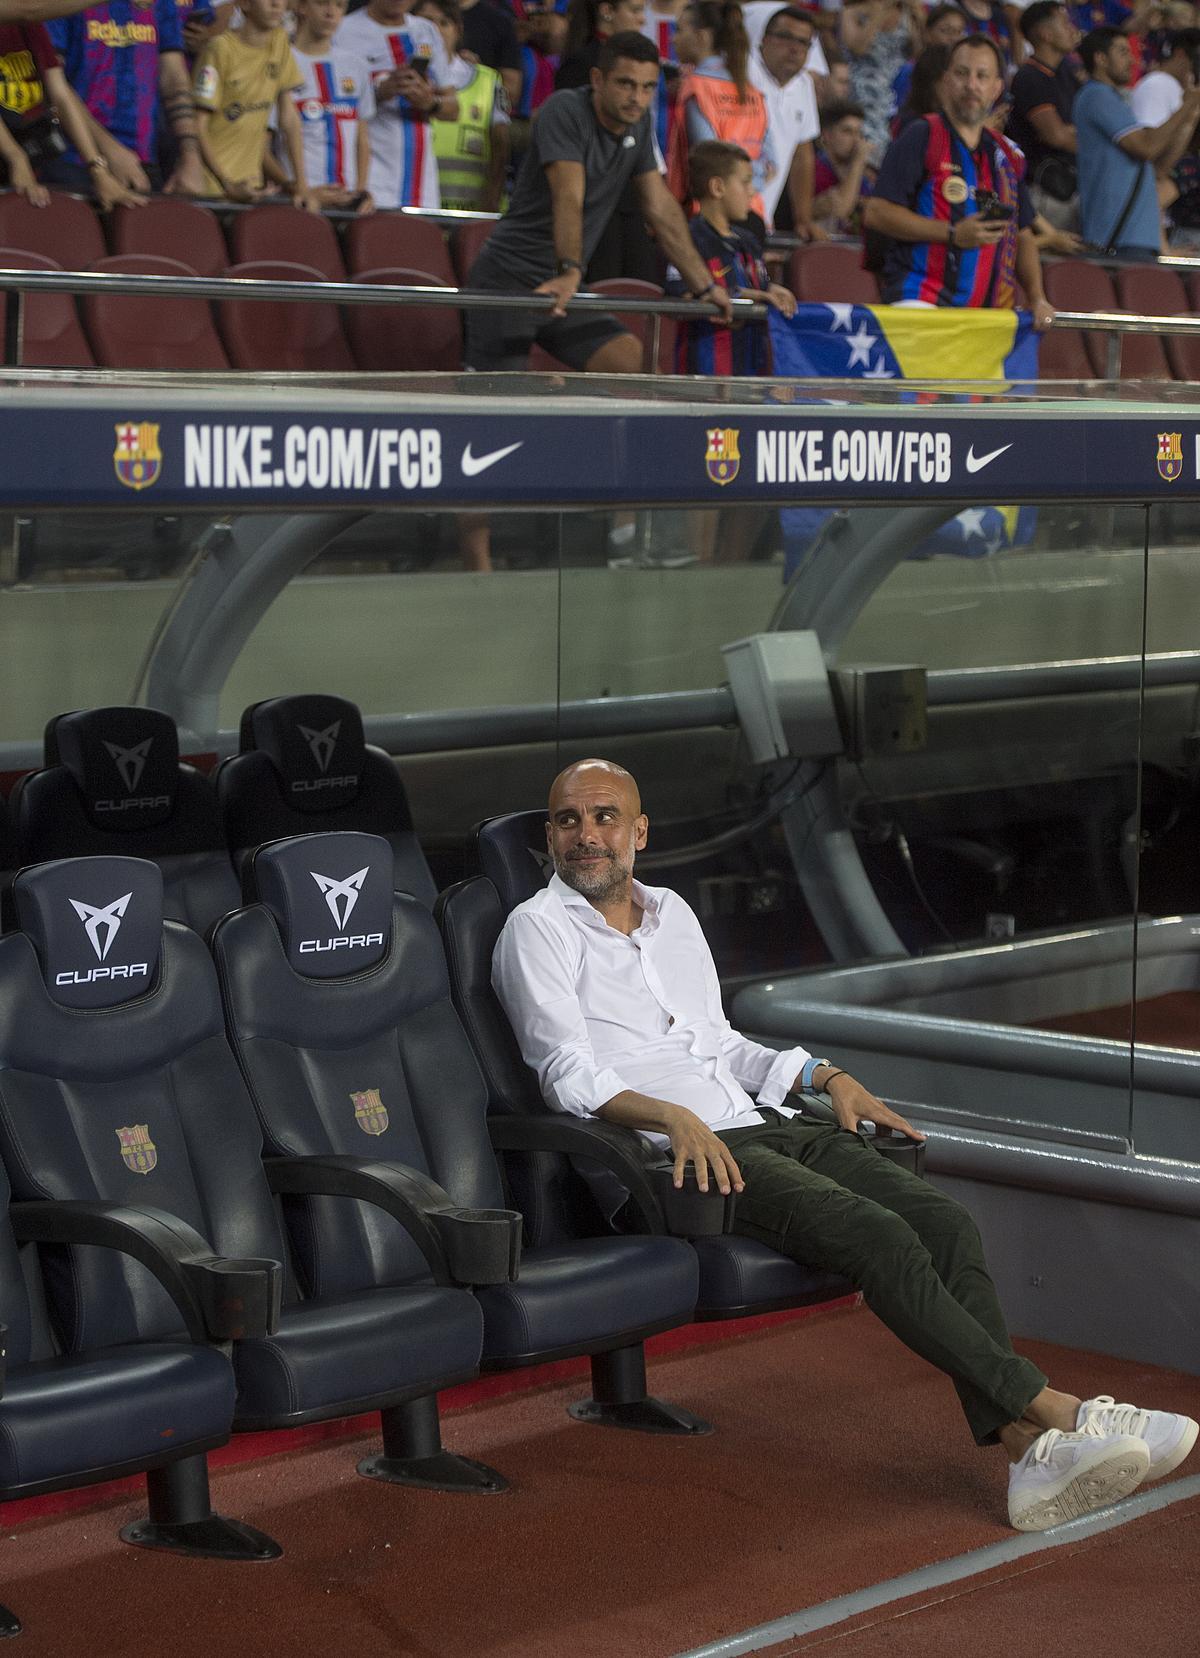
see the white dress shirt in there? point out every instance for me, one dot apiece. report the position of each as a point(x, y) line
point(597, 1012)
point(792, 119)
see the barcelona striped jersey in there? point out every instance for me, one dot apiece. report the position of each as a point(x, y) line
point(403, 166)
point(110, 55)
point(930, 170)
point(736, 263)
point(335, 97)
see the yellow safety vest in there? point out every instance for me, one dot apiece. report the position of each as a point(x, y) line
point(464, 147)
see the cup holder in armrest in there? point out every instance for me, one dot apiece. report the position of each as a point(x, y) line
point(687, 1211)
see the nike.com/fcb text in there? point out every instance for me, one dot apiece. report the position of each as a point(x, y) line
point(874, 455)
point(312, 457)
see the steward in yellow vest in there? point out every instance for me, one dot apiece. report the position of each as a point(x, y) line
point(471, 150)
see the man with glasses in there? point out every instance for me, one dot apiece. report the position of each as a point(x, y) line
point(778, 69)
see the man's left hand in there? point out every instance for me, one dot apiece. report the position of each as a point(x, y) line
point(1043, 314)
point(724, 304)
point(853, 1104)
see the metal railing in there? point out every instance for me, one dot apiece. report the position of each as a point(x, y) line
point(19, 283)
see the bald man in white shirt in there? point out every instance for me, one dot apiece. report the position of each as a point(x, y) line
point(614, 997)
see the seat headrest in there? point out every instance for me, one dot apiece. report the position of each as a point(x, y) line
point(125, 762)
point(316, 745)
point(331, 896)
point(95, 925)
point(513, 855)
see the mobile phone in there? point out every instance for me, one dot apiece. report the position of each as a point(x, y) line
point(419, 66)
point(989, 206)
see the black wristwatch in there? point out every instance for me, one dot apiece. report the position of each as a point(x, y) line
point(566, 265)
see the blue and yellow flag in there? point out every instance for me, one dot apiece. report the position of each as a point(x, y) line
point(898, 342)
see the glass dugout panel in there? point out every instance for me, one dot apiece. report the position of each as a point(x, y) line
point(1165, 1024)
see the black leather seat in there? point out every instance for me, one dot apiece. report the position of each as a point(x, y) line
point(339, 1010)
point(738, 1276)
point(103, 1410)
point(117, 1083)
point(304, 767)
point(113, 786)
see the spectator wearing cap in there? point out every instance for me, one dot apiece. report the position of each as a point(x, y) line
point(1042, 119)
point(1118, 200)
point(951, 203)
point(779, 69)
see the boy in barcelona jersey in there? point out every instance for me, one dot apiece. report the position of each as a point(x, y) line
point(335, 101)
point(243, 78)
point(410, 72)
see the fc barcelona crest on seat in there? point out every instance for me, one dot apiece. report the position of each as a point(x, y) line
point(370, 1111)
point(137, 1148)
point(722, 458)
point(1170, 456)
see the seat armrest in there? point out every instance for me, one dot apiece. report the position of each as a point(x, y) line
point(642, 1168)
point(221, 1298)
point(460, 1246)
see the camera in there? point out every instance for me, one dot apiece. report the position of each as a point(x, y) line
point(989, 206)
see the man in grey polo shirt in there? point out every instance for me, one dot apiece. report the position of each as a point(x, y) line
point(587, 143)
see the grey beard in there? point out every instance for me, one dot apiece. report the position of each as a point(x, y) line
point(592, 883)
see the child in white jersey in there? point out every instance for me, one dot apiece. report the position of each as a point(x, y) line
point(335, 104)
point(410, 73)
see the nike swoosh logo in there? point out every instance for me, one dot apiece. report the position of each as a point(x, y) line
point(975, 463)
point(472, 465)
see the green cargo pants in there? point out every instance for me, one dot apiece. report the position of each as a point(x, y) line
point(826, 1198)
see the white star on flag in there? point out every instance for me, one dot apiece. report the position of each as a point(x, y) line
point(970, 523)
point(843, 316)
point(880, 372)
point(860, 348)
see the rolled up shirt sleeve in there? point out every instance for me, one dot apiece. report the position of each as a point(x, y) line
point(533, 973)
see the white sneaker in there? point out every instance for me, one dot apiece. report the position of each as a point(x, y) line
point(1168, 1438)
point(1064, 1475)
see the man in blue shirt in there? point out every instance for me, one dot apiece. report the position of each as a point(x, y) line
point(1118, 201)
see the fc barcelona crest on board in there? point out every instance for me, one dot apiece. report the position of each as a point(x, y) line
point(370, 1111)
point(1170, 456)
point(137, 457)
point(137, 1148)
point(722, 458)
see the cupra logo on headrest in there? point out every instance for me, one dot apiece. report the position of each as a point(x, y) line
point(130, 762)
point(321, 743)
point(94, 919)
point(341, 893)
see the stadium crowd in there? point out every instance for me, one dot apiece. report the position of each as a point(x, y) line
point(1072, 123)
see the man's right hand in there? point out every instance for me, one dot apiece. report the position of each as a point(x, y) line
point(975, 232)
point(563, 288)
point(128, 170)
point(694, 1142)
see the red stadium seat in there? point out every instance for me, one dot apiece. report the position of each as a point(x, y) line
point(830, 272)
point(390, 241)
point(1062, 355)
point(284, 232)
point(466, 242)
point(404, 337)
point(130, 332)
point(1154, 292)
point(67, 231)
point(275, 334)
point(52, 336)
point(628, 287)
point(1076, 285)
point(172, 228)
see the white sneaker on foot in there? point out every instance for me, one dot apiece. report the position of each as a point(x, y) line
point(1064, 1475)
point(1168, 1438)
